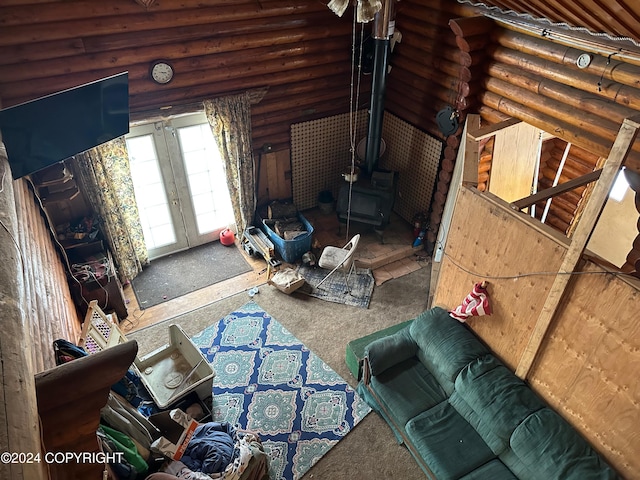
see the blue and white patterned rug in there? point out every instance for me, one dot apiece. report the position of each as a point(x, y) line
point(269, 382)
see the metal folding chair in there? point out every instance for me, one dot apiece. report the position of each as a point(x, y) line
point(339, 259)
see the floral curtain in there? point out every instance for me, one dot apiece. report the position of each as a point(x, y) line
point(230, 120)
point(106, 175)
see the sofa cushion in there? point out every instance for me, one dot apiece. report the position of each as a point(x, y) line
point(405, 390)
point(447, 444)
point(495, 443)
point(494, 470)
point(445, 345)
point(356, 348)
point(499, 398)
point(519, 469)
point(390, 350)
point(548, 445)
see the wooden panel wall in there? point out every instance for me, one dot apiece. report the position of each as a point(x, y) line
point(487, 238)
point(274, 174)
point(588, 363)
point(588, 367)
point(514, 161)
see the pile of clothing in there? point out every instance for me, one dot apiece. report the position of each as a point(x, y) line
point(219, 451)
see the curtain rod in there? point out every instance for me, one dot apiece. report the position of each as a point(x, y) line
point(255, 96)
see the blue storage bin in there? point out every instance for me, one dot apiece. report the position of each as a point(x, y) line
point(291, 250)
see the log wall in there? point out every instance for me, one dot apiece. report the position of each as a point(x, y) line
point(537, 81)
point(299, 50)
point(434, 68)
point(37, 309)
point(587, 365)
point(578, 162)
point(429, 70)
point(51, 313)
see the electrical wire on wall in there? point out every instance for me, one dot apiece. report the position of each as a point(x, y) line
point(354, 98)
point(70, 268)
point(526, 274)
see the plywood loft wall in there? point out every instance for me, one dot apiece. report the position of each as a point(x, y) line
point(588, 363)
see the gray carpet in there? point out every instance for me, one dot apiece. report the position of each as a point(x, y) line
point(187, 271)
point(370, 450)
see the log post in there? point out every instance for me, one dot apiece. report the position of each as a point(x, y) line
point(471, 36)
point(19, 428)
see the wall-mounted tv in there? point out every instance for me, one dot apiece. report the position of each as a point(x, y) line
point(50, 129)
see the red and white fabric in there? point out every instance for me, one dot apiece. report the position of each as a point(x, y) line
point(475, 304)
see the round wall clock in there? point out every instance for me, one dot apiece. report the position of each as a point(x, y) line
point(583, 60)
point(161, 72)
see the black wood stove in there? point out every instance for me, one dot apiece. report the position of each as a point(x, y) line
point(371, 200)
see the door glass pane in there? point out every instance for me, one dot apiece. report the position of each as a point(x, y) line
point(206, 178)
point(151, 195)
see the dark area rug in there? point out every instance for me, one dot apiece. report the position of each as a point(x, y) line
point(184, 272)
point(334, 289)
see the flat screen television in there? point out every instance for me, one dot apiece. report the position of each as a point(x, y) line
point(50, 129)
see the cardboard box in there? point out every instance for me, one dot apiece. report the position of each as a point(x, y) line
point(177, 429)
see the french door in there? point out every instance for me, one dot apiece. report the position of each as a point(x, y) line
point(179, 183)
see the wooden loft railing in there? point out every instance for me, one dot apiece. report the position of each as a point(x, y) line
point(557, 190)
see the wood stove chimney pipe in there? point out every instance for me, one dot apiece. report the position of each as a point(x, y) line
point(382, 31)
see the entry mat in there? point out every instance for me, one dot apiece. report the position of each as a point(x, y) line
point(187, 271)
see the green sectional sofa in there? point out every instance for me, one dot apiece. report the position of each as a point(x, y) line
point(463, 414)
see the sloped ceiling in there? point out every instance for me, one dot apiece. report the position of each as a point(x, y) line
point(616, 19)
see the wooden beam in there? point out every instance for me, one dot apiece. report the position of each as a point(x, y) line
point(557, 190)
point(619, 151)
point(490, 130)
point(471, 152)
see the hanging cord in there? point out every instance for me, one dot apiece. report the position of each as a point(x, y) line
point(353, 109)
point(604, 70)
